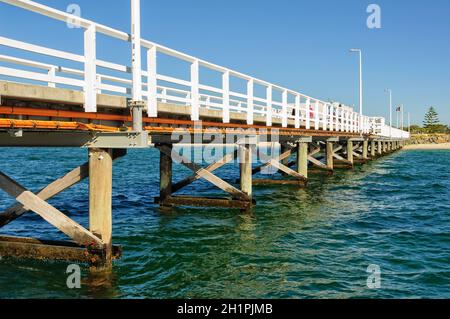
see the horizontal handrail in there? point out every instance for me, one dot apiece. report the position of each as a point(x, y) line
point(306, 111)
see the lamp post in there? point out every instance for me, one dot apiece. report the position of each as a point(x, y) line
point(137, 104)
point(360, 84)
point(390, 111)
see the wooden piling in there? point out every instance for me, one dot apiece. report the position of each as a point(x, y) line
point(350, 151)
point(100, 197)
point(165, 173)
point(330, 157)
point(372, 149)
point(245, 157)
point(302, 159)
point(365, 149)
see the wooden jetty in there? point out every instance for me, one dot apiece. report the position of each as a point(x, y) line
point(50, 105)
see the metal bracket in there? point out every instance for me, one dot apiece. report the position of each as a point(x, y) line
point(119, 140)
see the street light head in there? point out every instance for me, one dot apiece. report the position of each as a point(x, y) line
point(355, 50)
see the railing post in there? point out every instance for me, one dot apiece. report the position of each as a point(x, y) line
point(331, 117)
point(316, 116)
point(226, 96)
point(52, 75)
point(90, 70)
point(308, 113)
point(285, 109)
point(152, 97)
point(351, 122)
point(347, 121)
point(164, 95)
point(136, 50)
point(99, 84)
point(269, 93)
point(136, 104)
point(297, 111)
point(250, 102)
point(195, 103)
point(324, 116)
point(344, 120)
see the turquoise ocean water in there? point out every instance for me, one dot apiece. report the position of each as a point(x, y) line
point(309, 243)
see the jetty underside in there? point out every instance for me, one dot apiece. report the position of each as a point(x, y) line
point(33, 116)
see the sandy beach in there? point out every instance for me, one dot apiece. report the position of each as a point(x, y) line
point(443, 146)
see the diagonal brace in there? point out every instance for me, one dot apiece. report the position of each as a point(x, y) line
point(56, 187)
point(53, 216)
point(275, 163)
point(205, 174)
point(211, 168)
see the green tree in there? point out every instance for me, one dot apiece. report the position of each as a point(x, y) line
point(431, 120)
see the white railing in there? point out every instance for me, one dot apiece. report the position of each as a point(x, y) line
point(378, 127)
point(295, 109)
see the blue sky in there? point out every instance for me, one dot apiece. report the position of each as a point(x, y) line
point(302, 45)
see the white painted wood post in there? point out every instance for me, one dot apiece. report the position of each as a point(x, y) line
point(352, 123)
point(250, 105)
point(332, 124)
point(344, 120)
point(226, 96)
point(324, 115)
point(90, 70)
point(338, 119)
point(99, 84)
point(297, 111)
point(358, 123)
point(347, 121)
point(195, 103)
point(269, 92)
point(316, 115)
point(164, 95)
point(52, 75)
point(308, 113)
point(152, 93)
point(136, 59)
point(285, 109)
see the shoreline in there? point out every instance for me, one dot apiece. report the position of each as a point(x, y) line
point(415, 147)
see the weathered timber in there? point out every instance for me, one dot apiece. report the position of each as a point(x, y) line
point(211, 168)
point(203, 173)
point(205, 202)
point(53, 216)
point(245, 166)
point(56, 187)
point(30, 248)
point(100, 197)
point(329, 154)
point(296, 182)
point(302, 159)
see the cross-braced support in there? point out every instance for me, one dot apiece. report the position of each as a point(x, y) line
point(321, 148)
point(283, 165)
point(240, 198)
point(93, 245)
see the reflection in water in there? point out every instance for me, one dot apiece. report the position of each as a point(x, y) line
point(101, 282)
point(297, 243)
